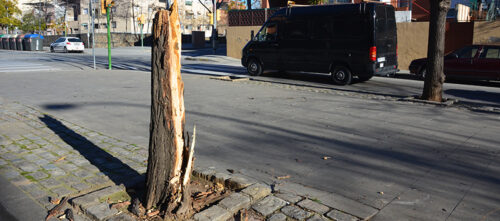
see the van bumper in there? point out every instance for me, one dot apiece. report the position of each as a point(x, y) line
point(384, 71)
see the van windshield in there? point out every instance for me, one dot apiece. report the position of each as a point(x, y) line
point(268, 32)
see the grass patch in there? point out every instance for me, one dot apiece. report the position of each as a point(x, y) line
point(117, 197)
point(316, 200)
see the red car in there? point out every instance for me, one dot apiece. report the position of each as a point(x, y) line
point(475, 62)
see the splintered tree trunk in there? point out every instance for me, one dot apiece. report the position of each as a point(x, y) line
point(170, 159)
point(434, 79)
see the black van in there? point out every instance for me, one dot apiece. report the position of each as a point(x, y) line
point(345, 40)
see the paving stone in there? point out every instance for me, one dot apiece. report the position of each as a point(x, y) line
point(9, 172)
point(48, 156)
point(34, 190)
point(41, 162)
point(62, 191)
point(239, 181)
point(314, 206)
point(122, 217)
point(295, 212)
point(234, 202)
point(341, 216)
point(44, 200)
point(57, 172)
point(8, 156)
point(277, 217)
point(80, 162)
point(24, 142)
point(50, 167)
point(32, 146)
point(101, 211)
point(3, 162)
point(50, 183)
point(20, 181)
point(68, 167)
point(85, 201)
point(97, 180)
point(12, 148)
point(27, 166)
point(82, 174)
point(289, 197)
point(317, 217)
point(257, 191)
point(39, 175)
point(268, 205)
point(214, 213)
point(31, 157)
point(69, 180)
point(80, 186)
point(60, 151)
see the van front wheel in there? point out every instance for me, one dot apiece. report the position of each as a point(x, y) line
point(341, 75)
point(254, 67)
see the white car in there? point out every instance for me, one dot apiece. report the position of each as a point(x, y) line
point(67, 44)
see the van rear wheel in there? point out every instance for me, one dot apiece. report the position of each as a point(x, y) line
point(254, 67)
point(341, 75)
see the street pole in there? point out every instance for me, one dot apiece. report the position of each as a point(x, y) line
point(93, 33)
point(108, 8)
point(142, 36)
point(214, 27)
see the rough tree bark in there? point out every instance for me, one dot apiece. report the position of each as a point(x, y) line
point(434, 79)
point(170, 159)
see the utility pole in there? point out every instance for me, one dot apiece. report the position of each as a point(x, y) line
point(214, 27)
point(93, 29)
point(108, 9)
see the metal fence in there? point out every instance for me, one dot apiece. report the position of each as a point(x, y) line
point(255, 17)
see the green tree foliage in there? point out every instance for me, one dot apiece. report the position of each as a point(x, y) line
point(31, 23)
point(8, 12)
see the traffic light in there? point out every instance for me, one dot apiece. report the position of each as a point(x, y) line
point(103, 7)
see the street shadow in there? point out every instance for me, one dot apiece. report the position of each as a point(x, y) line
point(112, 167)
point(484, 96)
point(66, 106)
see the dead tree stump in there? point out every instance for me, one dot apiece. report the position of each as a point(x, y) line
point(170, 158)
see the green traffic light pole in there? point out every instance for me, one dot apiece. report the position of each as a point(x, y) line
point(108, 8)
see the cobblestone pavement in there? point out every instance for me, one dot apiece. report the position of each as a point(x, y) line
point(51, 158)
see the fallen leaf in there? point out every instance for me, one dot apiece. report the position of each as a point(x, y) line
point(63, 216)
point(219, 187)
point(283, 177)
point(62, 158)
point(326, 158)
point(230, 170)
point(55, 201)
point(381, 193)
point(154, 213)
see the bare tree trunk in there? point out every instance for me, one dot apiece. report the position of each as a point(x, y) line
point(434, 79)
point(170, 159)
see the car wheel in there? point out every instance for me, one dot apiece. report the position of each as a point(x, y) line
point(52, 49)
point(422, 72)
point(364, 78)
point(341, 75)
point(65, 50)
point(254, 67)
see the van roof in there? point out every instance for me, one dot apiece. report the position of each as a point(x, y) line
point(338, 9)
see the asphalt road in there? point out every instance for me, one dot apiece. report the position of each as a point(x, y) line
point(418, 162)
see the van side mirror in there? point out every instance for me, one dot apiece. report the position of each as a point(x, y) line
point(451, 56)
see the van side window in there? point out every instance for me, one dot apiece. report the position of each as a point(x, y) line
point(296, 29)
point(268, 33)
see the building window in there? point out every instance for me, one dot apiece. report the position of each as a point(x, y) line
point(189, 2)
point(85, 26)
point(85, 11)
point(96, 26)
point(113, 24)
point(104, 25)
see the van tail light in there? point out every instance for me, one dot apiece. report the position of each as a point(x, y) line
point(68, 43)
point(373, 53)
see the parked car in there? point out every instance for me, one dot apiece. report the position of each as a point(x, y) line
point(67, 44)
point(346, 40)
point(474, 62)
